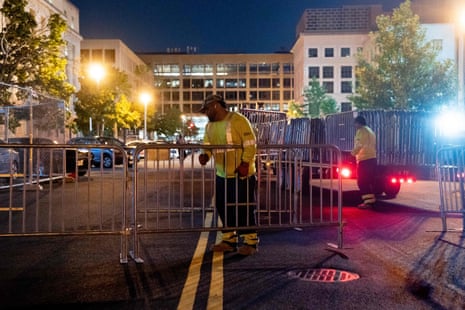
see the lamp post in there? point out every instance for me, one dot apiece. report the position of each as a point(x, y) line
point(145, 99)
point(96, 72)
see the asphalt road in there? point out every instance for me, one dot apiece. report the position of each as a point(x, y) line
point(179, 272)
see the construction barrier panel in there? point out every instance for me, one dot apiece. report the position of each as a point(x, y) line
point(179, 194)
point(450, 163)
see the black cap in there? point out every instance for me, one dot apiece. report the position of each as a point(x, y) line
point(210, 99)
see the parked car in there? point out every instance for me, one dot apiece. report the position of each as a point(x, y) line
point(49, 160)
point(9, 161)
point(129, 149)
point(135, 143)
point(106, 156)
point(100, 156)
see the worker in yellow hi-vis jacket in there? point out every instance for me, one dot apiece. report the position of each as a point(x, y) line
point(235, 174)
point(365, 153)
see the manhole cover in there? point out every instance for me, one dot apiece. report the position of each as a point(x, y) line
point(324, 275)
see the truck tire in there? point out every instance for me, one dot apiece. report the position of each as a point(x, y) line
point(391, 189)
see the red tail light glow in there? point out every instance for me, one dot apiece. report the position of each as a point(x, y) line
point(345, 172)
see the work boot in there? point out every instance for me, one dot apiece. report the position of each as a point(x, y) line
point(224, 246)
point(247, 250)
point(228, 242)
point(365, 206)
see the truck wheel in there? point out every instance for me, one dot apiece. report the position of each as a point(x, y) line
point(391, 189)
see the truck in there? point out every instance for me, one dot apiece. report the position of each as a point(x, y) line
point(407, 142)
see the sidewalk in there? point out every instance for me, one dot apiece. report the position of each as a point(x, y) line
point(431, 260)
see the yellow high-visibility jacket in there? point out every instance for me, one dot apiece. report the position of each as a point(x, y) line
point(364, 144)
point(235, 129)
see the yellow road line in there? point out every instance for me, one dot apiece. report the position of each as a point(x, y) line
point(193, 277)
point(215, 297)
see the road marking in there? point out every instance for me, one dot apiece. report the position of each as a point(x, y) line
point(215, 297)
point(193, 277)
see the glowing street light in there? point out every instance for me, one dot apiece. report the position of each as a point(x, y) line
point(145, 99)
point(96, 72)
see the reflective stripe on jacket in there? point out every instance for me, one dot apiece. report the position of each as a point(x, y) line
point(235, 129)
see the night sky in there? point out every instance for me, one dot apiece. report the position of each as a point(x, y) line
point(213, 26)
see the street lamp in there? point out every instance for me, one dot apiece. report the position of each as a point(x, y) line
point(96, 72)
point(145, 99)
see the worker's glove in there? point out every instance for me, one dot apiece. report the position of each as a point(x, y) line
point(203, 159)
point(243, 169)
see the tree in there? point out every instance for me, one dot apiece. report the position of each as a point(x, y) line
point(404, 72)
point(31, 54)
point(105, 102)
point(295, 110)
point(317, 101)
point(167, 124)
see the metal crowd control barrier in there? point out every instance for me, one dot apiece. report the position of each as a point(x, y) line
point(450, 163)
point(178, 194)
point(54, 190)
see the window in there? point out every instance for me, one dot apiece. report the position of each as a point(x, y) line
point(312, 52)
point(174, 83)
point(97, 55)
point(346, 87)
point(288, 68)
point(346, 72)
point(287, 95)
point(264, 83)
point(242, 83)
point(208, 83)
point(85, 55)
point(219, 83)
point(197, 83)
point(264, 68)
point(253, 68)
point(197, 96)
point(329, 87)
point(275, 67)
point(275, 95)
point(242, 68)
point(329, 52)
point(253, 83)
point(313, 72)
point(287, 83)
point(110, 56)
point(345, 52)
point(264, 95)
point(186, 83)
point(346, 106)
point(328, 72)
point(275, 83)
point(231, 83)
point(231, 95)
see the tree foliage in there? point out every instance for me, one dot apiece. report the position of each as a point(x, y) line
point(295, 110)
point(32, 56)
point(167, 124)
point(317, 100)
point(404, 72)
point(106, 103)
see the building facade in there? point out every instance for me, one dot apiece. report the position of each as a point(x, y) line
point(263, 81)
point(115, 53)
point(328, 40)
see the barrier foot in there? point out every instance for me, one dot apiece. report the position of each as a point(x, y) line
point(136, 259)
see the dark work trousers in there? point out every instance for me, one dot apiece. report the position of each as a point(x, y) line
point(366, 175)
point(245, 194)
